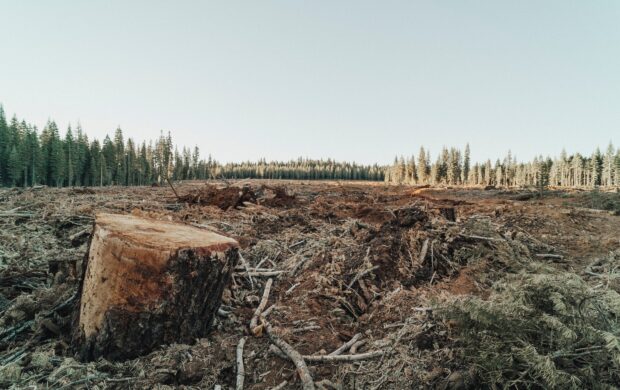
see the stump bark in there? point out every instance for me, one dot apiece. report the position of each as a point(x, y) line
point(148, 283)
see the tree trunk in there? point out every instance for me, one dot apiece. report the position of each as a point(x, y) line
point(148, 283)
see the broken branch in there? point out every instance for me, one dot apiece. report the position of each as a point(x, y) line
point(346, 345)
point(292, 354)
point(260, 308)
point(240, 368)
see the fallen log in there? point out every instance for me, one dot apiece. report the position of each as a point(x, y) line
point(148, 283)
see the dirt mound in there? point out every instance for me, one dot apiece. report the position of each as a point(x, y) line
point(224, 198)
point(275, 196)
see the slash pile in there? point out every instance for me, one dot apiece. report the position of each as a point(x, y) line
point(340, 286)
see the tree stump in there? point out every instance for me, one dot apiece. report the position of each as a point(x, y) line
point(147, 283)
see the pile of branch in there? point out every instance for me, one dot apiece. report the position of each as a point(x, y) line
point(224, 198)
point(543, 330)
point(284, 350)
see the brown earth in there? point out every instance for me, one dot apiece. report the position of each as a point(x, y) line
point(356, 258)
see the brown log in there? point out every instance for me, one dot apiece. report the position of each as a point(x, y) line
point(148, 283)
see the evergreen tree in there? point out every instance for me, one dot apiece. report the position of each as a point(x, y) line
point(466, 168)
point(422, 166)
point(52, 155)
point(70, 157)
point(108, 165)
point(607, 173)
point(4, 152)
point(118, 160)
point(27, 159)
point(14, 166)
point(596, 166)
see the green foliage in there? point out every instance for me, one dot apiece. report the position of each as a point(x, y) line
point(28, 159)
point(544, 330)
point(604, 201)
point(14, 166)
point(70, 159)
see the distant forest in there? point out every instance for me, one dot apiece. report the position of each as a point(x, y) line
point(453, 167)
point(29, 157)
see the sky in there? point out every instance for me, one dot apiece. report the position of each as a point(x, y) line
point(351, 80)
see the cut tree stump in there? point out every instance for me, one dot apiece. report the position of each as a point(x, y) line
point(148, 283)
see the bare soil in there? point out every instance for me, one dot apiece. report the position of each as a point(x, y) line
point(356, 258)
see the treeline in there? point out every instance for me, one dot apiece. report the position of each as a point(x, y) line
point(453, 167)
point(302, 169)
point(31, 157)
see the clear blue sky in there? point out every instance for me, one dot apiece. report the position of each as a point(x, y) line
point(353, 80)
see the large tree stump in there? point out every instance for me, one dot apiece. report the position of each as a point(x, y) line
point(148, 283)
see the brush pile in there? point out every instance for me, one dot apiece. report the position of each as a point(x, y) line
point(542, 328)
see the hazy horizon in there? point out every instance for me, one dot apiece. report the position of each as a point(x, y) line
point(352, 81)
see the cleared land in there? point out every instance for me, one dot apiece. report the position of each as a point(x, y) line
point(414, 275)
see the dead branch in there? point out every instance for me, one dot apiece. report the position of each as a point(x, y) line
point(549, 256)
point(247, 271)
point(474, 237)
point(240, 368)
point(280, 386)
point(346, 345)
point(277, 351)
point(356, 346)
point(343, 358)
point(306, 328)
point(326, 383)
point(329, 358)
point(173, 190)
point(268, 310)
point(16, 214)
point(297, 243)
point(264, 273)
point(260, 308)
point(298, 360)
point(299, 264)
point(361, 274)
point(290, 290)
point(423, 251)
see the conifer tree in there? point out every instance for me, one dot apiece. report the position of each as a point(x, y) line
point(70, 157)
point(119, 165)
point(466, 168)
point(596, 166)
point(4, 143)
point(488, 175)
point(14, 167)
point(422, 166)
point(607, 173)
point(617, 168)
